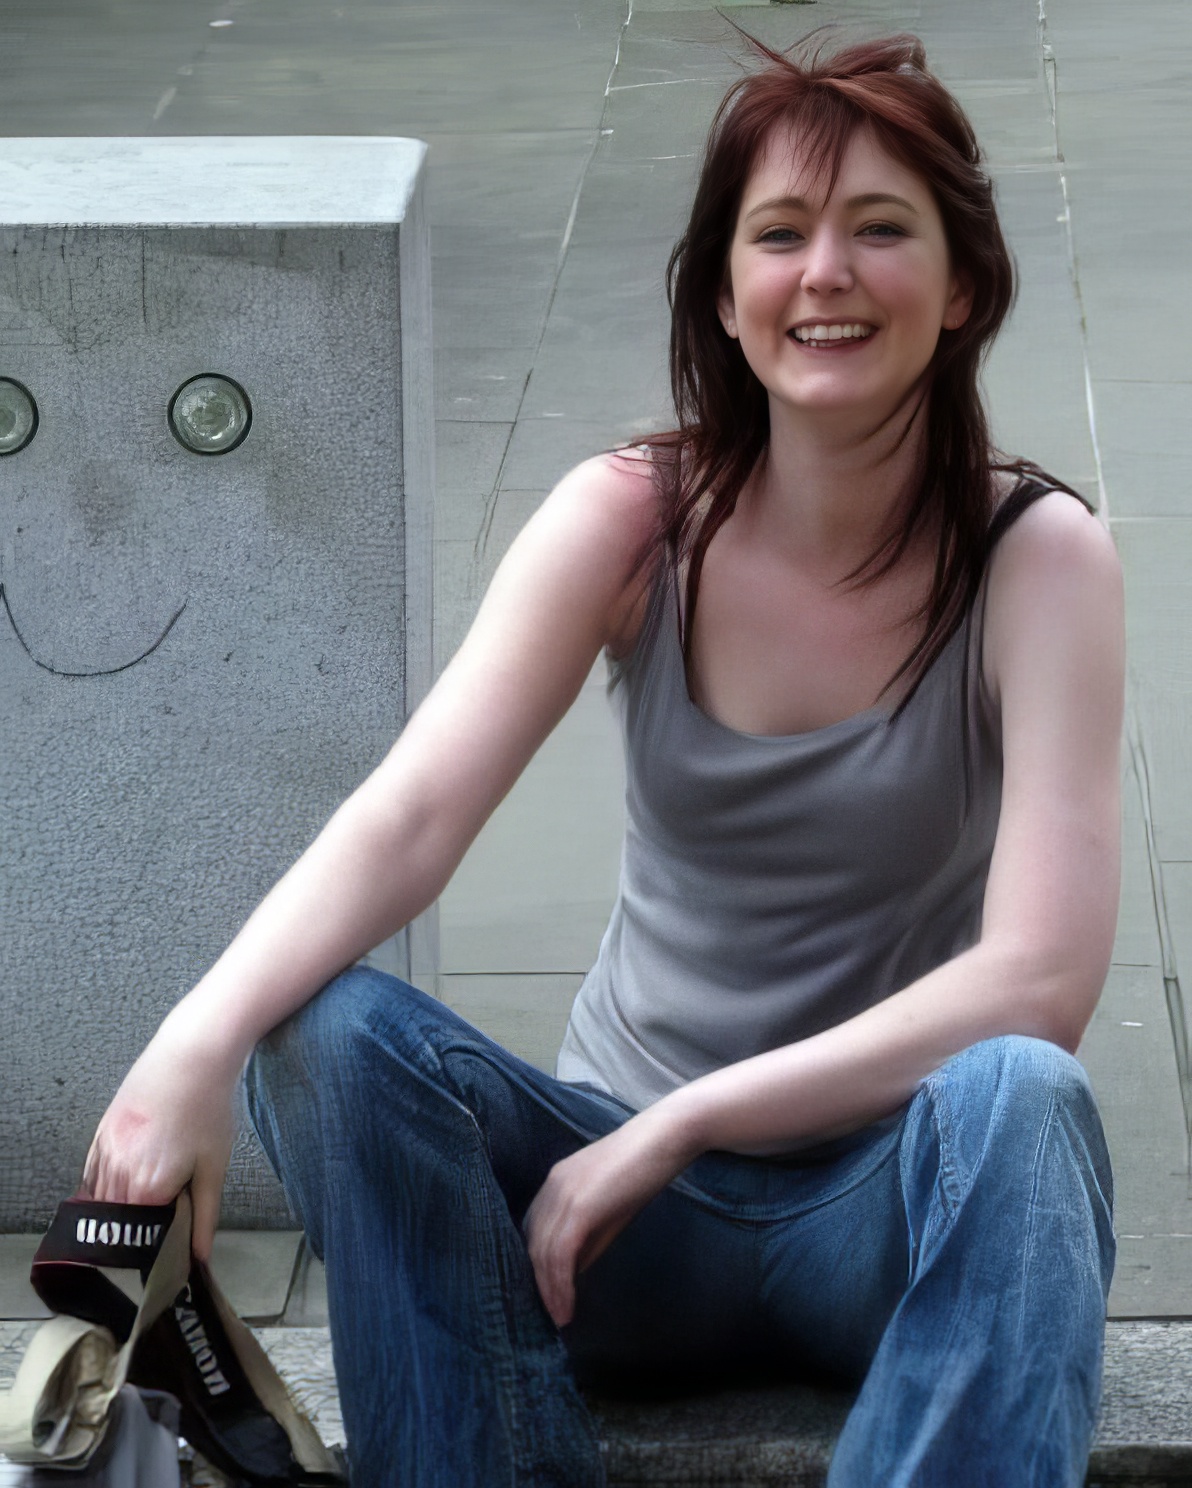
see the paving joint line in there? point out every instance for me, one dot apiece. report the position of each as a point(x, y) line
point(1172, 990)
point(1051, 79)
point(602, 133)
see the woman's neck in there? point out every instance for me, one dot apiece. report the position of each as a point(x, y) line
point(827, 493)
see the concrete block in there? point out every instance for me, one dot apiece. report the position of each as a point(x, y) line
point(201, 654)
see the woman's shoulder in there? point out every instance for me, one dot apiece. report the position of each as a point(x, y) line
point(616, 488)
point(1039, 525)
point(620, 499)
point(1054, 578)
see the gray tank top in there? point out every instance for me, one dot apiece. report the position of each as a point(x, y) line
point(773, 886)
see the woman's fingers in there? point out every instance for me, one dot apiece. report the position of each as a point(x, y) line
point(205, 1191)
point(561, 1268)
point(588, 1199)
point(103, 1177)
point(90, 1178)
point(554, 1272)
point(554, 1237)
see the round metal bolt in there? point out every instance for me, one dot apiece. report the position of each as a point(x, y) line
point(18, 416)
point(210, 415)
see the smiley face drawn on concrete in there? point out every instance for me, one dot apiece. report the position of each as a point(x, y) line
point(111, 530)
point(208, 415)
point(19, 421)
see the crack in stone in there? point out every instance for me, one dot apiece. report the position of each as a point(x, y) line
point(1172, 991)
point(102, 671)
point(1051, 79)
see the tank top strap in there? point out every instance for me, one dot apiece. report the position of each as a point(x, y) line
point(1031, 487)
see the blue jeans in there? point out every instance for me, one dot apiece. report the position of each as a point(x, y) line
point(953, 1261)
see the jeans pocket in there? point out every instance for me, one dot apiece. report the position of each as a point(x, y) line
point(763, 1189)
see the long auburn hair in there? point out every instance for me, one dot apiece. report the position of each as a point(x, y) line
point(722, 409)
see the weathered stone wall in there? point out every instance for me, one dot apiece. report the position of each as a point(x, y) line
point(151, 789)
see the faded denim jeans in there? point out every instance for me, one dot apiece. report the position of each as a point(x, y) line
point(952, 1262)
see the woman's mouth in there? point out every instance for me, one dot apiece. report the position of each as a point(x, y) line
point(822, 334)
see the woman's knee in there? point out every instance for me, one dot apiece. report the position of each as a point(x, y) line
point(322, 1052)
point(1017, 1077)
point(1020, 1101)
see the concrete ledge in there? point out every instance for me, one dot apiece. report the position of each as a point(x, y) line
point(746, 1438)
point(783, 1438)
point(764, 1438)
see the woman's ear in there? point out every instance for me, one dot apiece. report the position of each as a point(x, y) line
point(960, 302)
point(727, 311)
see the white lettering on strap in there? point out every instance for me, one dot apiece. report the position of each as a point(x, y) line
point(110, 1232)
point(191, 1328)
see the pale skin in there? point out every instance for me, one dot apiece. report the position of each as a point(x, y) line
point(779, 647)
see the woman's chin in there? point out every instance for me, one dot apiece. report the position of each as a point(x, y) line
point(839, 402)
point(831, 407)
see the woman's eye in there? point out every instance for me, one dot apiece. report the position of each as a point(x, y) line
point(779, 235)
point(882, 230)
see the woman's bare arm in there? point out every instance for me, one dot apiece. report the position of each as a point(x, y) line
point(1055, 656)
point(565, 589)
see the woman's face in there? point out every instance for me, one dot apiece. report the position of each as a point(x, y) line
point(838, 302)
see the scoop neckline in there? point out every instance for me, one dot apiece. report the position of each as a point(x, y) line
point(855, 722)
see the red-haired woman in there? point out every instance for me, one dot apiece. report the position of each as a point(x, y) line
point(817, 1108)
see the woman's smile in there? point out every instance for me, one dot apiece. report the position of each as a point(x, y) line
point(821, 335)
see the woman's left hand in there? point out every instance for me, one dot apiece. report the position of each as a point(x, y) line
point(589, 1198)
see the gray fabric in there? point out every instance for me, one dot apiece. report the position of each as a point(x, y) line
point(774, 886)
point(139, 1450)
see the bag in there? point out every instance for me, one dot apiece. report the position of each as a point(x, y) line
point(139, 1449)
point(183, 1338)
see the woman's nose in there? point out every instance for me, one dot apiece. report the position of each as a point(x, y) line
point(827, 265)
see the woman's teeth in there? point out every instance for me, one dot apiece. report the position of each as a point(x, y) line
point(832, 332)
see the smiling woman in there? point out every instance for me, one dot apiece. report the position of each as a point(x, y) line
point(816, 1110)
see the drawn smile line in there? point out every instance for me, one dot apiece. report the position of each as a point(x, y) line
point(103, 671)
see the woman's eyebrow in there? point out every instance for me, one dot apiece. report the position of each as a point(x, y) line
point(866, 199)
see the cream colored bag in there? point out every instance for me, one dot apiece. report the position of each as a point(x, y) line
point(184, 1339)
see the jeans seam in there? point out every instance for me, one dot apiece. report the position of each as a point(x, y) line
point(951, 1183)
point(1044, 1134)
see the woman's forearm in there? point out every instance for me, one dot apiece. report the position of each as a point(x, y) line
point(865, 1068)
point(372, 869)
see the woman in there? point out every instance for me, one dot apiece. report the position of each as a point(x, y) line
point(817, 1107)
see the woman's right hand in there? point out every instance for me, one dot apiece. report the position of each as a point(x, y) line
point(170, 1124)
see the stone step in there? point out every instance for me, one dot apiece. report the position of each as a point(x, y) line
point(763, 1438)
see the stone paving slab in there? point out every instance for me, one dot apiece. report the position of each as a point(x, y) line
point(255, 1269)
point(17, 1297)
point(528, 1014)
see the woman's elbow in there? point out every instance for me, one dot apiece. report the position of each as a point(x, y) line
point(1061, 996)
